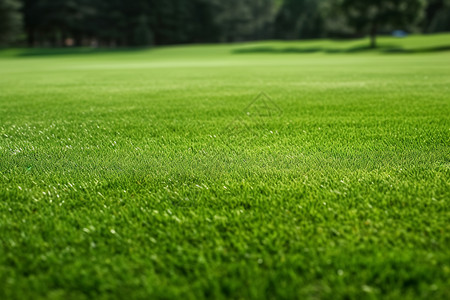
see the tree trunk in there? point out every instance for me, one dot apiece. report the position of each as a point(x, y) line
point(373, 36)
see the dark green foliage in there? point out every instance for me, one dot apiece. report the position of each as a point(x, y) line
point(143, 36)
point(299, 19)
point(244, 19)
point(161, 22)
point(10, 21)
point(437, 16)
point(144, 22)
point(372, 16)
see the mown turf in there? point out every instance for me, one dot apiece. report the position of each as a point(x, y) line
point(160, 174)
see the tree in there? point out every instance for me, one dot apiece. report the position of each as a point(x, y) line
point(240, 20)
point(10, 21)
point(299, 19)
point(371, 16)
point(143, 36)
point(146, 22)
point(50, 22)
point(437, 17)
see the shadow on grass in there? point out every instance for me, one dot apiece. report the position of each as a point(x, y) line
point(387, 49)
point(35, 52)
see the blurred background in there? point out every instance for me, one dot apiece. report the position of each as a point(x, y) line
point(125, 23)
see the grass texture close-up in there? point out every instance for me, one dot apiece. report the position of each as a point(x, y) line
point(261, 170)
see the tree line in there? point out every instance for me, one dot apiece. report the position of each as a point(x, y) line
point(110, 23)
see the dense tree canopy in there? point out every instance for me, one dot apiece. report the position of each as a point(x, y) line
point(299, 19)
point(159, 22)
point(370, 16)
point(145, 22)
point(437, 16)
point(10, 21)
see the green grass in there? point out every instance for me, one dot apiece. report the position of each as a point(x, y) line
point(151, 174)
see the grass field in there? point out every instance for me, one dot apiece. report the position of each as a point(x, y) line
point(268, 170)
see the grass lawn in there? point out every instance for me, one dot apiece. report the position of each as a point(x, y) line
point(266, 170)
